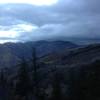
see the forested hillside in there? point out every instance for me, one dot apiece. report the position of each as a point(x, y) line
point(36, 80)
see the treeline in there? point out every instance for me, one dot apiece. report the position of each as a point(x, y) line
point(80, 83)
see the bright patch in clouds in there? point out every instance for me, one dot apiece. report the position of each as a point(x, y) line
point(34, 2)
point(9, 33)
point(12, 33)
point(5, 41)
point(25, 27)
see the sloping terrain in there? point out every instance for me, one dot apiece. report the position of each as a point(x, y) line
point(81, 55)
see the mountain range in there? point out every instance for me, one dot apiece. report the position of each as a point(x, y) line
point(11, 53)
point(61, 53)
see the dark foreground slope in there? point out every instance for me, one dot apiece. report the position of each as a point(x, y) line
point(73, 74)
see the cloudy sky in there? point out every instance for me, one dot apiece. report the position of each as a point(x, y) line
point(26, 20)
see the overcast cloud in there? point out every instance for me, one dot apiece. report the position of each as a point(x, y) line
point(66, 18)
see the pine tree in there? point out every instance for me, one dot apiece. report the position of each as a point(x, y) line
point(35, 77)
point(56, 86)
point(23, 84)
point(11, 89)
point(3, 86)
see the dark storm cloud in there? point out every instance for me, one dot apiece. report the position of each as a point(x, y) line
point(67, 18)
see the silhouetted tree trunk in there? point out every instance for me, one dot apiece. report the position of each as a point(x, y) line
point(35, 74)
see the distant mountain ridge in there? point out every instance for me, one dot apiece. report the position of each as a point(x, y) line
point(11, 53)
